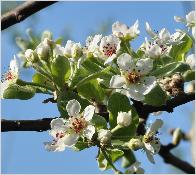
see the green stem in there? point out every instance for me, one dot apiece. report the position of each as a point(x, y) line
point(116, 128)
point(110, 161)
point(23, 83)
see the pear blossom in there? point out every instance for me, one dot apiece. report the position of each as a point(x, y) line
point(122, 30)
point(109, 47)
point(190, 60)
point(151, 142)
point(164, 38)
point(124, 118)
point(11, 76)
point(31, 55)
point(92, 45)
point(135, 169)
point(66, 132)
point(72, 49)
point(189, 20)
point(104, 136)
point(133, 81)
point(43, 50)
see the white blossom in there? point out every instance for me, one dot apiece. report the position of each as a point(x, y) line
point(124, 118)
point(122, 30)
point(190, 60)
point(44, 48)
point(92, 45)
point(189, 20)
point(109, 47)
point(104, 136)
point(151, 142)
point(72, 49)
point(10, 76)
point(66, 132)
point(133, 81)
point(135, 169)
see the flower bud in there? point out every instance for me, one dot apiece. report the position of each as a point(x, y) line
point(124, 118)
point(135, 144)
point(76, 51)
point(177, 136)
point(31, 56)
point(104, 136)
point(43, 51)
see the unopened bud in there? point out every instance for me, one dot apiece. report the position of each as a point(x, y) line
point(31, 56)
point(104, 136)
point(43, 51)
point(76, 50)
point(135, 144)
point(177, 136)
point(124, 118)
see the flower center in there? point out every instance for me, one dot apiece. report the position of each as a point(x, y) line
point(133, 77)
point(148, 139)
point(60, 135)
point(109, 49)
point(78, 124)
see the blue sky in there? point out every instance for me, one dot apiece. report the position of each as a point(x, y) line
point(23, 152)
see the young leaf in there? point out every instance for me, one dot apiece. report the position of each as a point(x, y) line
point(19, 92)
point(60, 68)
point(113, 154)
point(99, 122)
point(156, 97)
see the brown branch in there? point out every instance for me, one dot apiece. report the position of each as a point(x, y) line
point(22, 12)
point(144, 109)
point(169, 158)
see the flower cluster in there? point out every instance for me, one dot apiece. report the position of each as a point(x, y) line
point(110, 80)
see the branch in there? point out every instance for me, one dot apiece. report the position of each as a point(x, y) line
point(22, 12)
point(168, 157)
point(143, 110)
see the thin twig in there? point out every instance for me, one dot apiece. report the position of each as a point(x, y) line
point(22, 12)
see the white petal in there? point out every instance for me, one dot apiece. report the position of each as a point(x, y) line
point(150, 156)
point(58, 50)
point(154, 51)
point(51, 146)
point(190, 60)
point(89, 112)
point(144, 66)
point(4, 86)
point(134, 30)
point(73, 107)
point(57, 123)
point(125, 62)
point(14, 65)
point(70, 139)
point(179, 19)
point(164, 35)
point(135, 94)
point(117, 81)
point(190, 18)
point(119, 28)
point(156, 125)
point(148, 83)
point(110, 60)
point(89, 131)
point(149, 30)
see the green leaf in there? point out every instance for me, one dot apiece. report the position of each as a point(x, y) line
point(91, 91)
point(60, 68)
point(156, 97)
point(80, 145)
point(179, 50)
point(40, 79)
point(19, 92)
point(189, 75)
point(103, 73)
point(59, 40)
point(99, 122)
point(65, 97)
point(170, 69)
point(113, 154)
point(128, 159)
point(118, 102)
